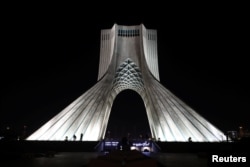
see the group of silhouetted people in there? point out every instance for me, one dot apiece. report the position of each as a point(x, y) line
point(74, 137)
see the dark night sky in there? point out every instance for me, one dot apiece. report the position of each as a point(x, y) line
point(51, 56)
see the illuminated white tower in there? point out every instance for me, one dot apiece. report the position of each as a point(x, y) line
point(128, 60)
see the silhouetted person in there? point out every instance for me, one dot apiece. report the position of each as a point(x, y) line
point(66, 138)
point(108, 135)
point(81, 137)
point(9, 134)
point(124, 144)
point(74, 137)
point(24, 133)
point(140, 137)
point(146, 136)
point(189, 139)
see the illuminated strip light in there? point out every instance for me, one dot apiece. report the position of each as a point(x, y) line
point(113, 143)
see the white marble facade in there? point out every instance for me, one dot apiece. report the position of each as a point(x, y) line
point(128, 60)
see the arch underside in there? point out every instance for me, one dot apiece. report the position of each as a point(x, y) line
point(170, 119)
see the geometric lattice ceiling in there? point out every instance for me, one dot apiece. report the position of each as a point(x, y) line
point(128, 75)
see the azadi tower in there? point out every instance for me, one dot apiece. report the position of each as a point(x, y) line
point(128, 60)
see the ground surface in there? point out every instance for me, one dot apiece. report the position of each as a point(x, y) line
point(81, 159)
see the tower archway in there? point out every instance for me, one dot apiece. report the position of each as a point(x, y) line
point(128, 116)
